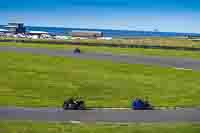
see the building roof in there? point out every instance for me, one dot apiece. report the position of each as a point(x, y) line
point(11, 26)
point(38, 32)
point(3, 30)
point(15, 23)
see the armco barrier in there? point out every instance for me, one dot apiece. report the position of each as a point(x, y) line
point(104, 44)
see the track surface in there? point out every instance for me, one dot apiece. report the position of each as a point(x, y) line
point(148, 60)
point(119, 116)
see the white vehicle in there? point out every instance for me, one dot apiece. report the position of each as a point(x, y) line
point(21, 36)
point(45, 36)
point(62, 37)
point(34, 37)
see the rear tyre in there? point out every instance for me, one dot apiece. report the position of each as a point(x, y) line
point(65, 106)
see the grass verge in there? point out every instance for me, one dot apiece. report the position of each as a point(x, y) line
point(38, 80)
point(149, 41)
point(30, 127)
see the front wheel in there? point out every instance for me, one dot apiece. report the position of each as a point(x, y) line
point(81, 105)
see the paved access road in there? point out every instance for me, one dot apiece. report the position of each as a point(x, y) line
point(148, 60)
point(118, 116)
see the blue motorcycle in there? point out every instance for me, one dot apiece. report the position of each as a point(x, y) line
point(139, 104)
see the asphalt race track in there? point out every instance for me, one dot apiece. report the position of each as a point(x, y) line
point(101, 115)
point(180, 63)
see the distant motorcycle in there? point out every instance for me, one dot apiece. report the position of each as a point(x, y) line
point(77, 51)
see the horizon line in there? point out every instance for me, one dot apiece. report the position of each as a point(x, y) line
point(113, 29)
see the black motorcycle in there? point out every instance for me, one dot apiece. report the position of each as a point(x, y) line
point(74, 104)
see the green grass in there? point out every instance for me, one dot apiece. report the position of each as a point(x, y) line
point(30, 127)
point(158, 41)
point(36, 80)
point(129, 51)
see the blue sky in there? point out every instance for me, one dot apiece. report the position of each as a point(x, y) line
point(165, 15)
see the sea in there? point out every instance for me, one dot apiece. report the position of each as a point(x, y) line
point(109, 32)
